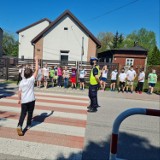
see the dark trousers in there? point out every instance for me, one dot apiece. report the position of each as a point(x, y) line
point(26, 108)
point(93, 95)
point(139, 86)
point(59, 80)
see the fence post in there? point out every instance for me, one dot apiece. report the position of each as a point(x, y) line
point(118, 121)
point(7, 67)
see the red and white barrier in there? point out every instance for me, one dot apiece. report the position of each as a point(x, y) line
point(118, 121)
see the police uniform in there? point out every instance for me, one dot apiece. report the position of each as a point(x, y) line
point(93, 88)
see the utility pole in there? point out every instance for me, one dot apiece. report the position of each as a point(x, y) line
point(82, 50)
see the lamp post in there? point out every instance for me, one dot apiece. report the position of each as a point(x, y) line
point(82, 50)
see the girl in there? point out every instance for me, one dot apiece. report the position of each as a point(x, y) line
point(59, 73)
point(39, 77)
point(73, 77)
point(103, 81)
point(66, 76)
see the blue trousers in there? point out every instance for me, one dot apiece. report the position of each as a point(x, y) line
point(66, 82)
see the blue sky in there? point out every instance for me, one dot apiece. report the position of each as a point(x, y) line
point(123, 16)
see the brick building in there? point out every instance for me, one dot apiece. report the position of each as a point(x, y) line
point(125, 57)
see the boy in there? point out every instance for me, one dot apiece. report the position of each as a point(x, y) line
point(52, 75)
point(152, 80)
point(122, 79)
point(113, 80)
point(26, 97)
point(131, 75)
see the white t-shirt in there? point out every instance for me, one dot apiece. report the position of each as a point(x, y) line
point(104, 73)
point(122, 77)
point(46, 71)
point(141, 76)
point(26, 86)
point(66, 73)
point(82, 73)
point(114, 75)
point(131, 74)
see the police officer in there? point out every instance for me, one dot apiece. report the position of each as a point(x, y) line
point(94, 85)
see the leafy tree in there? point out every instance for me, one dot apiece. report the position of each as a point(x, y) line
point(154, 57)
point(9, 45)
point(106, 39)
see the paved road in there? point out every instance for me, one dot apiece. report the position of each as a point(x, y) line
point(53, 134)
point(139, 137)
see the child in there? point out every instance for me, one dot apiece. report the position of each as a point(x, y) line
point(39, 77)
point(113, 80)
point(82, 74)
point(52, 75)
point(26, 97)
point(141, 78)
point(66, 76)
point(152, 80)
point(122, 80)
point(104, 77)
point(46, 75)
point(59, 73)
point(73, 77)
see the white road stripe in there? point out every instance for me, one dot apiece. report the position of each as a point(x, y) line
point(47, 127)
point(39, 112)
point(60, 99)
point(37, 150)
point(64, 95)
point(49, 104)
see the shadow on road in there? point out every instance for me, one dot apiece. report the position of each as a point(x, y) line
point(6, 91)
point(130, 147)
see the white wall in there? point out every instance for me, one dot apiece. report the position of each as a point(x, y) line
point(25, 38)
point(57, 39)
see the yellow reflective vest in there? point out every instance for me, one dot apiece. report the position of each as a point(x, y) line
point(93, 80)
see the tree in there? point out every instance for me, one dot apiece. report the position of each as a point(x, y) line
point(9, 45)
point(154, 57)
point(106, 39)
point(115, 40)
point(118, 40)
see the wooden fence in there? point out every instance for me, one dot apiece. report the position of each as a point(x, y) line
point(9, 67)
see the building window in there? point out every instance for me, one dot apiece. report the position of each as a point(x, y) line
point(65, 28)
point(64, 54)
point(129, 61)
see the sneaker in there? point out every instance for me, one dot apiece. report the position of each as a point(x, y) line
point(140, 92)
point(102, 90)
point(19, 131)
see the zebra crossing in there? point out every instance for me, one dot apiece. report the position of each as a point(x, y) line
point(58, 127)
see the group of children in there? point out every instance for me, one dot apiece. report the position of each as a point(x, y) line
point(60, 76)
point(126, 80)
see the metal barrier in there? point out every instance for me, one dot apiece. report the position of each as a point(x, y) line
point(118, 121)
